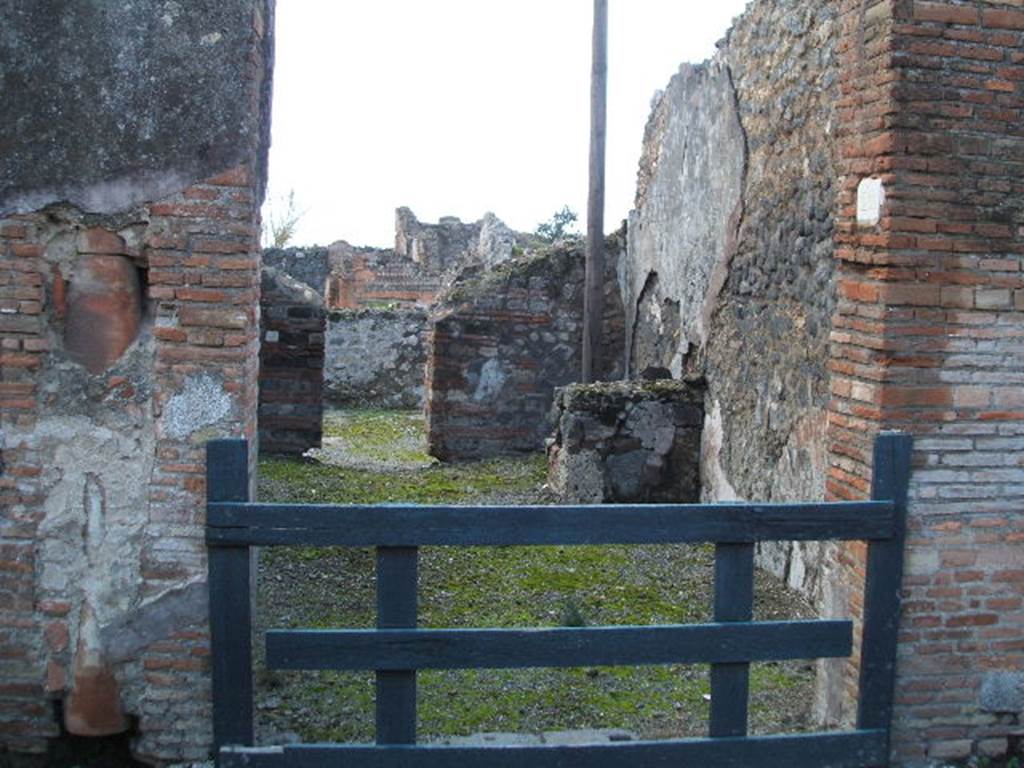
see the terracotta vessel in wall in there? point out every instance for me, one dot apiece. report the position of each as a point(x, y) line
point(104, 310)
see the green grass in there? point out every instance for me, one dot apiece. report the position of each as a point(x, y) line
point(490, 586)
point(310, 482)
point(379, 435)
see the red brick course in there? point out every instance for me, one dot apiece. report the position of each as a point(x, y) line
point(927, 339)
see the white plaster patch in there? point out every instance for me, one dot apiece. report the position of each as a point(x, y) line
point(870, 199)
point(492, 379)
point(715, 483)
point(90, 537)
point(211, 39)
point(200, 403)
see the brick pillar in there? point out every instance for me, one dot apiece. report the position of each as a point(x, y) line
point(927, 338)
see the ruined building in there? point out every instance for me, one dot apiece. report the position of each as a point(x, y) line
point(371, 347)
point(501, 341)
point(424, 259)
point(829, 229)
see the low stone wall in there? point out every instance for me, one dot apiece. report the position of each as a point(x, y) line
point(307, 265)
point(291, 365)
point(635, 441)
point(376, 357)
point(501, 342)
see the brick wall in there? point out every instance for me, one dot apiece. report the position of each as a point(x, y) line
point(189, 375)
point(927, 338)
point(292, 332)
point(128, 337)
point(363, 278)
point(500, 344)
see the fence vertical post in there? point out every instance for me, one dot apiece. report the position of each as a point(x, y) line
point(396, 609)
point(734, 601)
point(883, 582)
point(227, 479)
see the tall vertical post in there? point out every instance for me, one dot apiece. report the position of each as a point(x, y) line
point(593, 298)
point(890, 480)
point(227, 479)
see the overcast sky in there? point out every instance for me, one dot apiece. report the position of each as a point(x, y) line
point(458, 107)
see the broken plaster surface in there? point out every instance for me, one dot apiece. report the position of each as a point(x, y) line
point(91, 535)
point(201, 402)
point(690, 195)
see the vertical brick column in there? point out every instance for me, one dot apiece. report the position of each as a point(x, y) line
point(25, 680)
point(102, 551)
point(203, 254)
point(293, 333)
point(927, 339)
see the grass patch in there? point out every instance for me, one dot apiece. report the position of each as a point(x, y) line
point(497, 587)
point(311, 482)
point(378, 435)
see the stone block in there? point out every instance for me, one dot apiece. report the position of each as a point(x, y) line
point(627, 442)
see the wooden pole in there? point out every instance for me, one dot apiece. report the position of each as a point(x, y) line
point(593, 298)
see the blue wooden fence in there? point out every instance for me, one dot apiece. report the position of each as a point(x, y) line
point(397, 649)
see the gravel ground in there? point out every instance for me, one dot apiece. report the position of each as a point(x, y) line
point(500, 586)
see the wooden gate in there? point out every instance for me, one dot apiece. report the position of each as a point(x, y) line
point(397, 649)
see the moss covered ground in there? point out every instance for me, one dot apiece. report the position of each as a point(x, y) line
point(495, 586)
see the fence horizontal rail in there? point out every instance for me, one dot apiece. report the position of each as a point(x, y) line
point(837, 750)
point(406, 649)
point(246, 523)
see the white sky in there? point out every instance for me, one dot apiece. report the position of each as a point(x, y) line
point(457, 107)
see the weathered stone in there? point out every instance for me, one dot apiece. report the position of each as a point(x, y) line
point(310, 266)
point(496, 243)
point(626, 474)
point(177, 608)
point(627, 441)
point(729, 268)
point(376, 358)
point(502, 340)
point(201, 403)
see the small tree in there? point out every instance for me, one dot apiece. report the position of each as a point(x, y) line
point(281, 222)
point(558, 226)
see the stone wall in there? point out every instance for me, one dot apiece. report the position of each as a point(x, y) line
point(502, 341)
point(292, 332)
point(450, 244)
point(627, 442)
point(307, 265)
point(821, 314)
point(129, 283)
point(729, 272)
point(376, 358)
